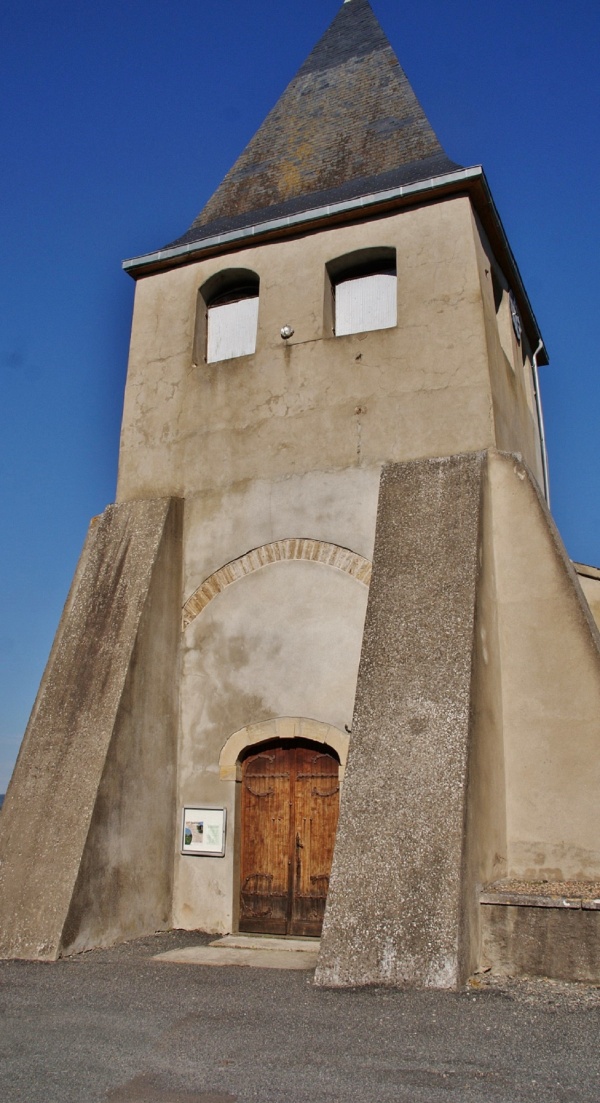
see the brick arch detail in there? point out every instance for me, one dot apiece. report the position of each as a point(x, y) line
point(311, 551)
point(282, 727)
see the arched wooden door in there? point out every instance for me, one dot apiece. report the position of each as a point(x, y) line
point(290, 803)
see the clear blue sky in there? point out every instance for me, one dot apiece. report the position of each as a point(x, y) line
point(118, 121)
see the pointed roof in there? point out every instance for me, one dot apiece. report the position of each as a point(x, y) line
point(349, 124)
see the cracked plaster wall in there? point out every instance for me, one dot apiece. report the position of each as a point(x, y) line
point(315, 402)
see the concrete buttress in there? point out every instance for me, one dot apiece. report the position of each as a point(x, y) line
point(395, 897)
point(86, 850)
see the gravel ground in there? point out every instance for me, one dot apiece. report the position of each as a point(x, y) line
point(116, 1026)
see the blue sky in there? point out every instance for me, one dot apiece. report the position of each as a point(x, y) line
point(119, 120)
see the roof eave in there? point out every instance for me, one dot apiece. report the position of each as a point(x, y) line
point(471, 181)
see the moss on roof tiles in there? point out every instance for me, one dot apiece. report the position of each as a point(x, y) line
point(347, 125)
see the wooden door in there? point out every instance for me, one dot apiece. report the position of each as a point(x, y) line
point(290, 803)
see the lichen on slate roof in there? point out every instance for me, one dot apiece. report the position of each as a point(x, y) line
point(349, 124)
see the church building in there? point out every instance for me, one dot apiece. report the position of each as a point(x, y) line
point(325, 668)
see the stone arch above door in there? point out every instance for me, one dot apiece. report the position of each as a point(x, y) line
point(283, 727)
point(293, 548)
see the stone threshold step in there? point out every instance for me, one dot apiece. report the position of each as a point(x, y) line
point(254, 951)
point(268, 942)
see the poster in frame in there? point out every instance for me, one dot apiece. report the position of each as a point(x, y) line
point(203, 831)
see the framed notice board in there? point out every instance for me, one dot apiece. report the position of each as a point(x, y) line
point(203, 831)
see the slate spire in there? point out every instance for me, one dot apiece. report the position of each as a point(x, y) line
point(349, 124)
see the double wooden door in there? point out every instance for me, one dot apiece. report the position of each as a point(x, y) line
point(290, 803)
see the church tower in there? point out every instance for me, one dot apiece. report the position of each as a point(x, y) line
point(330, 585)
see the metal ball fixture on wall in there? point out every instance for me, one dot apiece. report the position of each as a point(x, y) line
point(287, 332)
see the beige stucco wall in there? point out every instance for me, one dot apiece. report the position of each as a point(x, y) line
point(549, 658)
point(589, 580)
point(316, 402)
point(281, 642)
point(289, 443)
point(516, 426)
point(223, 523)
point(284, 641)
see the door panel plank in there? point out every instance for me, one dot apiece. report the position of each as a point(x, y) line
point(266, 826)
point(316, 807)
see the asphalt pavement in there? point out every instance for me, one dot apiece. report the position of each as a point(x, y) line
point(118, 1026)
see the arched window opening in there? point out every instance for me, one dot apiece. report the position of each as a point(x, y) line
point(363, 291)
point(227, 318)
point(507, 316)
point(231, 325)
